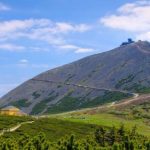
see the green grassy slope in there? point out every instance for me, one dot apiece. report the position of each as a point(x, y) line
point(10, 121)
point(138, 115)
point(55, 129)
point(109, 120)
point(83, 123)
point(69, 103)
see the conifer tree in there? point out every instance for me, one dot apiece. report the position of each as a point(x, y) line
point(121, 132)
point(111, 136)
point(100, 136)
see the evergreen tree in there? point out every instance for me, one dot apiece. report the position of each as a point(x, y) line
point(29, 146)
point(121, 132)
point(131, 145)
point(23, 141)
point(111, 136)
point(115, 147)
point(133, 132)
point(39, 142)
point(100, 136)
point(147, 145)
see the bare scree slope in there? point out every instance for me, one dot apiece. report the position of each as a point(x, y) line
point(91, 81)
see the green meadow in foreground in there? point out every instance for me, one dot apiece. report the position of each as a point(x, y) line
point(83, 123)
point(55, 128)
point(10, 121)
point(91, 128)
point(99, 138)
point(138, 115)
point(109, 120)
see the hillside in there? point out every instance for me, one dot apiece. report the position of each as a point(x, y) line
point(133, 120)
point(91, 81)
point(52, 134)
point(135, 111)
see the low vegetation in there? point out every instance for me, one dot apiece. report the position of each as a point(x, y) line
point(91, 129)
point(126, 80)
point(10, 121)
point(101, 139)
point(21, 103)
point(39, 107)
point(69, 103)
point(36, 95)
point(54, 128)
point(139, 88)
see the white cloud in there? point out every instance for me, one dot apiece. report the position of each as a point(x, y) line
point(42, 29)
point(83, 27)
point(24, 61)
point(45, 30)
point(144, 36)
point(84, 50)
point(4, 7)
point(68, 46)
point(76, 49)
point(39, 49)
point(66, 27)
point(131, 17)
point(11, 47)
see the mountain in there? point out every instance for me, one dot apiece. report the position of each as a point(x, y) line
point(91, 81)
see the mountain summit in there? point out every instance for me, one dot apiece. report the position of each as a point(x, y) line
point(91, 81)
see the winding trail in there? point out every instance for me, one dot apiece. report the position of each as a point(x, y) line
point(12, 129)
point(86, 86)
point(136, 97)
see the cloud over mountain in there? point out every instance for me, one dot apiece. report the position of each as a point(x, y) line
point(131, 17)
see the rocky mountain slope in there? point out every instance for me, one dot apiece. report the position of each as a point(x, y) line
point(91, 81)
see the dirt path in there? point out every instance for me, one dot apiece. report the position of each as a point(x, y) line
point(137, 99)
point(14, 128)
point(85, 86)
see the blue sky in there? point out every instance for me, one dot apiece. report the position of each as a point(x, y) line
point(38, 35)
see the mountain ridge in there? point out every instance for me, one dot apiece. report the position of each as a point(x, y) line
point(126, 68)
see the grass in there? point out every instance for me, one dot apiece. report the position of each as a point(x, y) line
point(108, 120)
point(21, 103)
point(36, 95)
point(39, 107)
point(10, 121)
point(69, 103)
point(139, 88)
point(81, 123)
point(55, 129)
point(130, 116)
